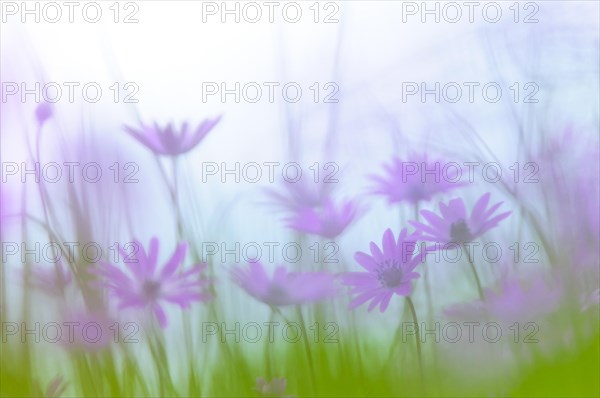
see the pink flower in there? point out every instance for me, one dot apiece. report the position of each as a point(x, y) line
point(328, 221)
point(389, 271)
point(283, 288)
point(167, 141)
point(147, 288)
point(415, 179)
point(455, 226)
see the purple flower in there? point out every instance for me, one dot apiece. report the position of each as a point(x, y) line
point(328, 221)
point(521, 302)
point(516, 300)
point(455, 226)
point(283, 288)
point(147, 288)
point(416, 179)
point(310, 208)
point(389, 271)
point(168, 141)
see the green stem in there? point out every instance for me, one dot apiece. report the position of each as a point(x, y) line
point(417, 337)
point(396, 340)
point(159, 356)
point(173, 188)
point(267, 354)
point(477, 280)
point(307, 349)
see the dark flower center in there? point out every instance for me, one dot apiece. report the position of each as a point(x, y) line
point(151, 289)
point(459, 232)
point(389, 274)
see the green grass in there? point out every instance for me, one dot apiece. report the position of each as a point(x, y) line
point(339, 369)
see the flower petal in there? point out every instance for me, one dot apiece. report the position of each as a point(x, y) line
point(159, 312)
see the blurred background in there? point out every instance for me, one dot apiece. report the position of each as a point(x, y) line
point(364, 68)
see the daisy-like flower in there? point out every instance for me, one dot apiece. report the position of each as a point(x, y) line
point(415, 179)
point(328, 221)
point(389, 271)
point(167, 141)
point(148, 288)
point(455, 226)
point(283, 288)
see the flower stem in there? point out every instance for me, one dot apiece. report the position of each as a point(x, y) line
point(173, 188)
point(426, 276)
point(267, 353)
point(307, 348)
point(417, 337)
point(477, 280)
point(396, 340)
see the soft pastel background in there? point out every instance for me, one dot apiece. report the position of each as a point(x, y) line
point(368, 54)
